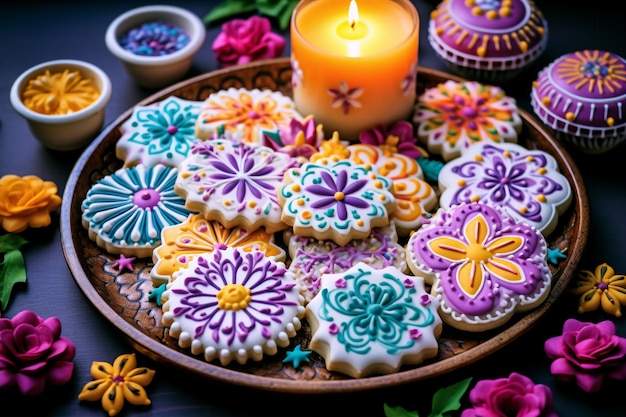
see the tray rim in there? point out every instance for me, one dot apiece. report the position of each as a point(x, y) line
point(176, 360)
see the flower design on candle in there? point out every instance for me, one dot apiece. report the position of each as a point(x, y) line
point(345, 97)
point(408, 83)
point(296, 73)
point(159, 133)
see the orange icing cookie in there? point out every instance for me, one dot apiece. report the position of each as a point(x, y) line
point(245, 114)
point(195, 236)
point(60, 93)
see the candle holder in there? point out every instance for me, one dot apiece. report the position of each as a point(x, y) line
point(353, 73)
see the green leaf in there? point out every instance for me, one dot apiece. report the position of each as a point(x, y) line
point(285, 18)
point(12, 267)
point(273, 8)
point(448, 399)
point(229, 8)
point(398, 412)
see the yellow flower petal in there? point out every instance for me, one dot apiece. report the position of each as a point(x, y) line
point(135, 394)
point(124, 364)
point(113, 399)
point(101, 370)
point(610, 304)
point(141, 376)
point(589, 301)
point(93, 391)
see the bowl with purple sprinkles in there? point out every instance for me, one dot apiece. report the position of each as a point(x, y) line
point(156, 43)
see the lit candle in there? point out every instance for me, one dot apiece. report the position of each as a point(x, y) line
point(354, 64)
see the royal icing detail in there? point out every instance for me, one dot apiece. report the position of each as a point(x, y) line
point(126, 211)
point(368, 321)
point(526, 183)
point(415, 198)
point(453, 116)
point(196, 235)
point(311, 258)
point(229, 304)
point(484, 265)
point(159, 133)
point(235, 183)
point(245, 113)
point(340, 200)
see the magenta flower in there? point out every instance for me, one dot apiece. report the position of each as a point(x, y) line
point(33, 353)
point(246, 40)
point(300, 141)
point(587, 353)
point(399, 139)
point(515, 396)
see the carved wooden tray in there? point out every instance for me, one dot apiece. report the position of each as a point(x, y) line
point(122, 298)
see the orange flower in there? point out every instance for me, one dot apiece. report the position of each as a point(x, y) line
point(114, 384)
point(26, 202)
point(601, 288)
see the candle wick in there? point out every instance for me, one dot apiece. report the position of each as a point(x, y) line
point(352, 24)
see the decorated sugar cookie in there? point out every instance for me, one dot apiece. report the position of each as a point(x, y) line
point(234, 183)
point(312, 258)
point(452, 116)
point(526, 183)
point(367, 321)
point(197, 235)
point(483, 264)
point(339, 201)
point(232, 305)
point(126, 211)
point(245, 114)
point(158, 133)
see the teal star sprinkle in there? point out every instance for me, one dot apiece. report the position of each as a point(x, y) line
point(296, 356)
point(156, 294)
point(555, 255)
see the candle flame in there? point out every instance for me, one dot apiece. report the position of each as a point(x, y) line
point(353, 14)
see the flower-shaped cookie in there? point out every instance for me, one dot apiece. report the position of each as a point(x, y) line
point(603, 287)
point(117, 383)
point(452, 116)
point(588, 354)
point(516, 395)
point(33, 354)
point(158, 133)
point(483, 264)
point(367, 321)
point(526, 183)
point(26, 202)
point(338, 201)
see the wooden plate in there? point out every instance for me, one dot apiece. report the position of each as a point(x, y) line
point(123, 298)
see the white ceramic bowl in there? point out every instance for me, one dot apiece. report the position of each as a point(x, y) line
point(70, 131)
point(156, 71)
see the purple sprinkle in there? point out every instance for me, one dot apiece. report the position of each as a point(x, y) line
point(154, 39)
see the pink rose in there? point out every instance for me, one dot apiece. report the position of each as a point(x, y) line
point(242, 41)
point(587, 353)
point(33, 353)
point(515, 396)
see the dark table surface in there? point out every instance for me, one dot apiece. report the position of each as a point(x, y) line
point(34, 32)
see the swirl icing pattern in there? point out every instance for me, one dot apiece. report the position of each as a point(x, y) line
point(339, 201)
point(245, 114)
point(126, 211)
point(415, 198)
point(453, 116)
point(159, 133)
point(369, 321)
point(483, 265)
point(197, 235)
point(526, 183)
point(311, 258)
point(234, 183)
point(229, 304)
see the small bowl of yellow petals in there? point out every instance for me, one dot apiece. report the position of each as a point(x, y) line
point(63, 102)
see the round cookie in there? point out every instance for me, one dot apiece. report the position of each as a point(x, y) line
point(158, 133)
point(453, 116)
point(234, 183)
point(230, 304)
point(245, 114)
point(368, 321)
point(337, 201)
point(526, 183)
point(484, 266)
point(581, 96)
point(488, 41)
point(197, 235)
point(312, 258)
point(126, 211)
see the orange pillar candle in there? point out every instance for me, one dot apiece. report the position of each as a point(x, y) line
point(350, 71)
